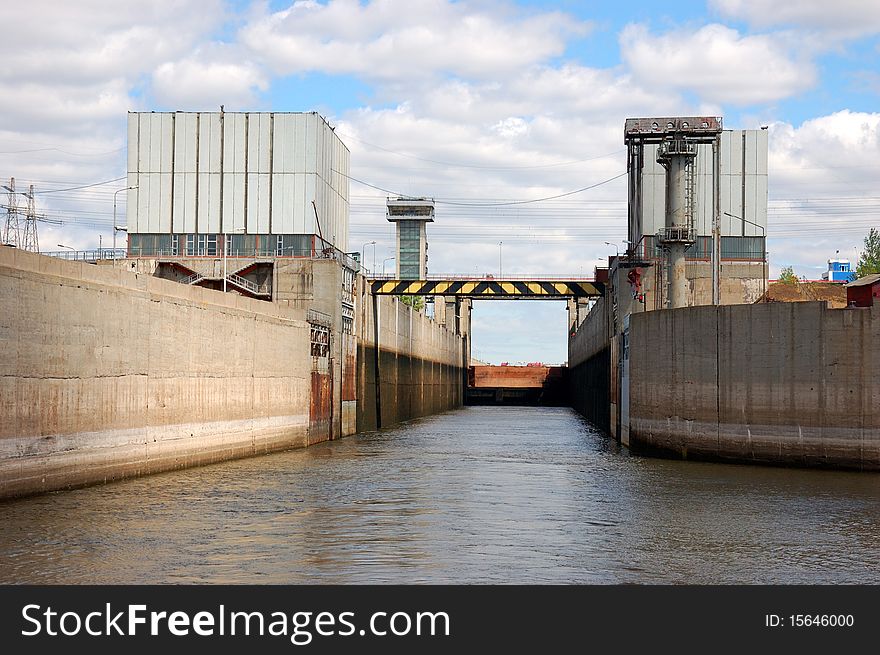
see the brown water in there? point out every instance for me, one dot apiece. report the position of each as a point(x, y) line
point(477, 495)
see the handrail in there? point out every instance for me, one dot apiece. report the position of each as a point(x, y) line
point(248, 285)
point(518, 277)
point(87, 255)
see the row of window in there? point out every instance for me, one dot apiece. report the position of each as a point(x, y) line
point(410, 229)
point(235, 245)
point(745, 248)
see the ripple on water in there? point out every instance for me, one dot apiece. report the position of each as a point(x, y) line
point(477, 495)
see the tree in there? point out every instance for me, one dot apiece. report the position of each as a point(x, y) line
point(787, 275)
point(869, 262)
point(416, 302)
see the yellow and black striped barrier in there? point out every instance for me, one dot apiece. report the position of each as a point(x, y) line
point(485, 289)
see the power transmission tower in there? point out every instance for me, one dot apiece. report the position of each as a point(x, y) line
point(30, 242)
point(10, 229)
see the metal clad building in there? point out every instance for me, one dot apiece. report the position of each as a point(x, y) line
point(743, 194)
point(203, 174)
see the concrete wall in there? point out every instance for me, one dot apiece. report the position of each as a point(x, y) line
point(741, 283)
point(108, 374)
point(776, 383)
point(421, 365)
point(591, 378)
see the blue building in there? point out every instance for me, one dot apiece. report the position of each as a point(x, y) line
point(839, 270)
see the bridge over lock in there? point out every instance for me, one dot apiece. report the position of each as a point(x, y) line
point(534, 384)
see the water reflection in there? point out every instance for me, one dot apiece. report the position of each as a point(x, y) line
point(476, 495)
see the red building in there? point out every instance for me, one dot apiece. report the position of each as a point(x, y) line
point(863, 292)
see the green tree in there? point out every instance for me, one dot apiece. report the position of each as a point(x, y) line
point(869, 262)
point(416, 302)
point(787, 275)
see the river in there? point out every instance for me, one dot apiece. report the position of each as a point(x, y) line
point(476, 495)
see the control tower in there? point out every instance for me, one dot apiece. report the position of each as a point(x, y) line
point(411, 216)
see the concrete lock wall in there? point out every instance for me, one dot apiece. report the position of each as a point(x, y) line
point(782, 383)
point(106, 374)
point(421, 365)
point(590, 378)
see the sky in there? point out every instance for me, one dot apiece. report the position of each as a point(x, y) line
point(463, 101)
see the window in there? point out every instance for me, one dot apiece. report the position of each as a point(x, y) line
point(175, 245)
point(319, 340)
point(211, 249)
point(190, 245)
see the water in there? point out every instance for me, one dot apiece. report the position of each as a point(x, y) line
point(477, 495)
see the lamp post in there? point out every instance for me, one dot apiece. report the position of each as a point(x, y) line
point(763, 249)
point(387, 259)
point(500, 269)
point(61, 245)
point(364, 253)
point(616, 249)
point(114, 213)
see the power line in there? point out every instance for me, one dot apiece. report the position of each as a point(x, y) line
point(487, 204)
point(84, 186)
point(66, 152)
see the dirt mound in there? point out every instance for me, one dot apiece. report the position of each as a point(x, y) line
point(832, 292)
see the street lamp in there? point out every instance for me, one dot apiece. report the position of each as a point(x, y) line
point(364, 253)
point(61, 245)
point(616, 249)
point(387, 259)
point(115, 229)
point(499, 260)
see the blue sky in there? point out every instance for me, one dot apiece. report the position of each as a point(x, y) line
point(518, 100)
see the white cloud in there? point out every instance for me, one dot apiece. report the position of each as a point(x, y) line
point(538, 133)
point(71, 71)
point(845, 17)
point(716, 62)
point(93, 40)
point(209, 78)
point(823, 179)
point(839, 150)
point(393, 39)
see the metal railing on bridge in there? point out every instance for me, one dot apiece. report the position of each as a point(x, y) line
point(486, 288)
point(87, 255)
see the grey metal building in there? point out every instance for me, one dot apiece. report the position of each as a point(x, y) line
point(250, 184)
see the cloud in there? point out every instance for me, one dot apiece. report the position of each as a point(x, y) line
point(208, 78)
point(93, 40)
point(847, 18)
point(537, 133)
point(841, 149)
point(387, 40)
point(72, 67)
point(71, 72)
point(865, 81)
point(716, 62)
point(822, 178)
